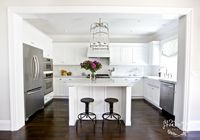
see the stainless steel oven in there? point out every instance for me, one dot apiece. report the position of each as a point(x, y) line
point(48, 82)
point(48, 64)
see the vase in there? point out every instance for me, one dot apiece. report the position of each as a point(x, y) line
point(92, 76)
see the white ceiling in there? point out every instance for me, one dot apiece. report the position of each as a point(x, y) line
point(119, 24)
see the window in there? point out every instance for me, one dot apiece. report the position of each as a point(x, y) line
point(169, 49)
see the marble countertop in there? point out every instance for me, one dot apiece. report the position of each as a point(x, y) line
point(111, 82)
point(116, 78)
point(173, 81)
point(110, 76)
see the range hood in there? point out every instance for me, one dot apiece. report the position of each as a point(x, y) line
point(98, 53)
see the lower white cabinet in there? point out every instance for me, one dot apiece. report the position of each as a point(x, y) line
point(48, 97)
point(152, 91)
point(137, 89)
point(60, 88)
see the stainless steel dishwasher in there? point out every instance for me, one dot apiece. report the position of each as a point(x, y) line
point(167, 97)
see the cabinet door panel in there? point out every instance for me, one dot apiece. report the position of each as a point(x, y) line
point(115, 56)
point(154, 53)
point(59, 55)
point(80, 54)
point(127, 55)
point(157, 96)
point(137, 89)
point(140, 54)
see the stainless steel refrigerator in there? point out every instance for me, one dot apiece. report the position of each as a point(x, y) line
point(33, 80)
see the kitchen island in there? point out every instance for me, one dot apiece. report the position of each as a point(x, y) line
point(100, 89)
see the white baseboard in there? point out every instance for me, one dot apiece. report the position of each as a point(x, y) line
point(179, 125)
point(193, 126)
point(5, 125)
point(137, 97)
point(60, 97)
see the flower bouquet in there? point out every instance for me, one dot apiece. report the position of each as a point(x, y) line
point(93, 66)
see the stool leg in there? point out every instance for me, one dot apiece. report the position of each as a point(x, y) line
point(111, 108)
point(102, 122)
point(87, 108)
point(77, 126)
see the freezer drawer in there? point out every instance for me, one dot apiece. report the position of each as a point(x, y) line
point(167, 97)
point(34, 100)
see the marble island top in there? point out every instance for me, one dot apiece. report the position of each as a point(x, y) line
point(120, 82)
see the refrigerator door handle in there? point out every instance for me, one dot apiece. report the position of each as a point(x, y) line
point(38, 67)
point(34, 91)
point(34, 69)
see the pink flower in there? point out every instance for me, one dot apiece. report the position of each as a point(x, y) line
point(93, 65)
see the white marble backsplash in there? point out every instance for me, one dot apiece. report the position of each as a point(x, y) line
point(119, 70)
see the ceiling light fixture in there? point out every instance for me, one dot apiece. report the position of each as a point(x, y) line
point(99, 35)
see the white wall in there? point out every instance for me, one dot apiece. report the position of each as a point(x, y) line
point(195, 50)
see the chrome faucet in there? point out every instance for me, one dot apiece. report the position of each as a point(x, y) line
point(110, 71)
point(160, 69)
point(166, 73)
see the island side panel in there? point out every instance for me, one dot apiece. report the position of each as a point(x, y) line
point(114, 92)
point(98, 94)
point(83, 92)
point(72, 105)
point(128, 106)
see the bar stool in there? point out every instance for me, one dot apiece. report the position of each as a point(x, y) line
point(111, 114)
point(86, 114)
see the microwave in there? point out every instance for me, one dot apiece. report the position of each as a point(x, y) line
point(48, 64)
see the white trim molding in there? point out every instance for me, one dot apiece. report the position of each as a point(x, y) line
point(5, 125)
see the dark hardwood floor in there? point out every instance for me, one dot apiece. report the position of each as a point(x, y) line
point(52, 124)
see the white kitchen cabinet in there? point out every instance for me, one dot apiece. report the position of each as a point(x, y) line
point(48, 50)
point(60, 88)
point(34, 37)
point(137, 89)
point(140, 55)
point(128, 54)
point(152, 91)
point(48, 97)
point(69, 53)
point(58, 55)
point(154, 53)
point(115, 56)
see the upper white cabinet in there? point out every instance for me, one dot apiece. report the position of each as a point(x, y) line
point(154, 53)
point(34, 37)
point(128, 54)
point(69, 53)
point(115, 55)
point(140, 55)
point(59, 54)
